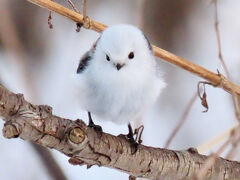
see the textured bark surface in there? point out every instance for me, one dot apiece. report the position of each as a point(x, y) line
point(85, 146)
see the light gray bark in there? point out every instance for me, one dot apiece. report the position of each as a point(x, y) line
point(85, 146)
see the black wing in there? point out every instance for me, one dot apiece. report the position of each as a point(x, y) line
point(84, 61)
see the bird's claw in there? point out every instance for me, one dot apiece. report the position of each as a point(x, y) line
point(131, 140)
point(91, 124)
point(138, 132)
point(130, 137)
point(96, 127)
point(134, 145)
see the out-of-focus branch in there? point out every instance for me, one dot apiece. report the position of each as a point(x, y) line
point(210, 161)
point(85, 146)
point(235, 99)
point(14, 43)
point(49, 162)
point(207, 146)
point(215, 79)
point(72, 5)
point(181, 121)
point(234, 138)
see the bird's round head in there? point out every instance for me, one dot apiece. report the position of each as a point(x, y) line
point(123, 47)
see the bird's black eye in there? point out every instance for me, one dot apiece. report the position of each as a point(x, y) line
point(131, 55)
point(107, 57)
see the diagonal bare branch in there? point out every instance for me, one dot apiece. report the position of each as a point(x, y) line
point(182, 120)
point(210, 144)
point(49, 162)
point(215, 79)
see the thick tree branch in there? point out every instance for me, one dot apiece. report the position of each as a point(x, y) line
point(16, 45)
point(217, 80)
point(85, 146)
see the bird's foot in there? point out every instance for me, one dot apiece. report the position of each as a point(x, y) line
point(95, 127)
point(92, 125)
point(130, 137)
point(138, 132)
point(133, 143)
point(138, 137)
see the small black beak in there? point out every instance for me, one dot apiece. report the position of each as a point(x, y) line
point(119, 66)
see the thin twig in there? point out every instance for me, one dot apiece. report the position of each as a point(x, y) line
point(230, 155)
point(181, 121)
point(73, 6)
point(216, 140)
point(84, 9)
point(211, 160)
point(214, 78)
point(79, 25)
point(234, 96)
point(235, 140)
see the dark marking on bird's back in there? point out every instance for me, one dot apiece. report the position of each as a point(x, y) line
point(149, 45)
point(84, 62)
point(86, 58)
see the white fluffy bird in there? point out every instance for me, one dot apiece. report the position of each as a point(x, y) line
point(119, 76)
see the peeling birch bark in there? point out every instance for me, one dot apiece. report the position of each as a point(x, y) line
point(84, 146)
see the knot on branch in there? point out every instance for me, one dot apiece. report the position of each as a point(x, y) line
point(11, 130)
point(75, 161)
point(9, 103)
point(87, 23)
point(223, 80)
point(77, 135)
point(45, 111)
